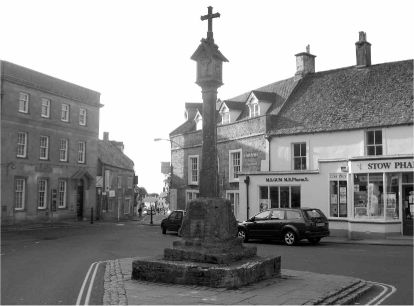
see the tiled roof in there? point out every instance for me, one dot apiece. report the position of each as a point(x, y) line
point(193, 105)
point(110, 155)
point(233, 105)
point(281, 89)
point(263, 96)
point(349, 98)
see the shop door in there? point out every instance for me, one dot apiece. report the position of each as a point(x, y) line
point(408, 209)
point(79, 201)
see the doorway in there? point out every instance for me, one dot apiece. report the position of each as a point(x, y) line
point(407, 203)
point(79, 201)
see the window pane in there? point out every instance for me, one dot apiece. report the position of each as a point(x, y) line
point(284, 196)
point(378, 150)
point(303, 159)
point(392, 194)
point(378, 137)
point(296, 150)
point(274, 197)
point(303, 149)
point(360, 196)
point(370, 137)
point(295, 195)
point(297, 164)
point(343, 207)
point(371, 150)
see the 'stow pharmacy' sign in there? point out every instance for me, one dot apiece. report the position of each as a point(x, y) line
point(391, 165)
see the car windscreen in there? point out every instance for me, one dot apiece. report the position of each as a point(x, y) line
point(314, 214)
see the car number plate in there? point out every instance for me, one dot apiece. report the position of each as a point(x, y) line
point(320, 224)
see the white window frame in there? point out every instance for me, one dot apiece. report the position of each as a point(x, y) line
point(199, 121)
point(65, 113)
point(129, 182)
point(191, 180)
point(82, 116)
point(81, 152)
point(375, 145)
point(44, 147)
point(254, 109)
point(301, 156)
point(119, 181)
point(63, 152)
point(127, 203)
point(193, 194)
point(45, 108)
point(24, 103)
point(232, 175)
point(225, 115)
point(21, 144)
point(42, 194)
point(62, 193)
point(236, 203)
point(19, 193)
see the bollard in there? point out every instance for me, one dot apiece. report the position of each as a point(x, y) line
point(91, 215)
point(151, 214)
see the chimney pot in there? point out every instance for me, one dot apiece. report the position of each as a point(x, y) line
point(363, 51)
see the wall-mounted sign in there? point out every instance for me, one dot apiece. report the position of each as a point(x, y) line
point(165, 167)
point(43, 168)
point(99, 181)
point(112, 193)
point(247, 155)
point(287, 179)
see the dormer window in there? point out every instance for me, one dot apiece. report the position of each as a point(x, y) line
point(254, 107)
point(199, 121)
point(225, 118)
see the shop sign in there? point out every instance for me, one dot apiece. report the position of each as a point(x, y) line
point(287, 179)
point(382, 166)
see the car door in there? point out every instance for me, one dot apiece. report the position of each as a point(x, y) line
point(170, 221)
point(275, 224)
point(177, 220)
point(257, 225)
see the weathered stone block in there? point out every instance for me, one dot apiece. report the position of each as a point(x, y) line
point(233, 275)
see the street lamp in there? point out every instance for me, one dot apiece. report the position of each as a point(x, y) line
point(172, 141)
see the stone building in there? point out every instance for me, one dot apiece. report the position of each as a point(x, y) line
point(115, 201)
point(340, 140)
point(49, 145)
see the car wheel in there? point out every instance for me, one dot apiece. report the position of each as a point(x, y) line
point(314, 240)
point(243, 234)
point(164, 230)
point(290, 237)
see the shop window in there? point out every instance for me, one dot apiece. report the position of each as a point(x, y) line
point(368, 196)
point(279, 197)
point(338, 187)
point(391, 199)
point(299, 156)
point(408, 195)
point(374, 142)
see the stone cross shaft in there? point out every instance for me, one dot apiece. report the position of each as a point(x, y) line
point(210, 17)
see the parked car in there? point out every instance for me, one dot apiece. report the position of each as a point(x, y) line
point(173, 221)
point(288, 224)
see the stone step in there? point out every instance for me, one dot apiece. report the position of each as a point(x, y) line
point(344, 295)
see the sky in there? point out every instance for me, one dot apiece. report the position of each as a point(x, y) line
point(137, 53)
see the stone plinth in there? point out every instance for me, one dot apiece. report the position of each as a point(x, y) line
point(209, 253)
point(233, 275)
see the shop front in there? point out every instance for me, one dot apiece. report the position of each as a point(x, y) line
point(382, 196)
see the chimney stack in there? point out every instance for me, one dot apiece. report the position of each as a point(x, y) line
point(305, 63)
point(363, 51)
point(106, 136)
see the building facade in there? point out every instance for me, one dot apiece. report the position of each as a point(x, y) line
point(339, 140)
point(115, 196)
point(49, 145)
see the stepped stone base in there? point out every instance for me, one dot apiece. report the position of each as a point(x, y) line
point(232, 275)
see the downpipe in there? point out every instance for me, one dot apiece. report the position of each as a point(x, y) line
point(247, 181)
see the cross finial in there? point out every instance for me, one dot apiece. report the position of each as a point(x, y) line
point(210, 17)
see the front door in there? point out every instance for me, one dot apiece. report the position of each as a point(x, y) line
point(79, 201)
point(408, 209)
